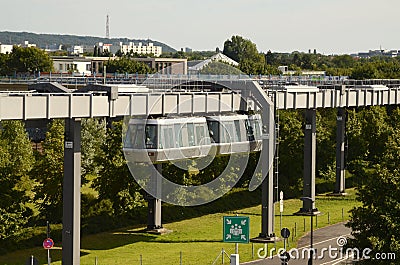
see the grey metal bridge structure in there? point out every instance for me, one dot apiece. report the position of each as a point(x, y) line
point(236, 95)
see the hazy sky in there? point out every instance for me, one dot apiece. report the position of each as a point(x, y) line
point(330, 26)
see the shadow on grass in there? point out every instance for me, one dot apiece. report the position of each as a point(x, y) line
point(233, 201)
point(112, 240)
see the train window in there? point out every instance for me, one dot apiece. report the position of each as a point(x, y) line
point(249, 130)
point(238, 137)
point(178, 135)
point(138, 141)
point(229, 133)
point(151, 136)
point(130, 136)
point(168, 137)
point(191, 136)
point(183, 134)
point(256, 129)
point(200, 134)
point(213, 127)
point(224, 135)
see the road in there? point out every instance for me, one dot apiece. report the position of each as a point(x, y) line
point(325, 243)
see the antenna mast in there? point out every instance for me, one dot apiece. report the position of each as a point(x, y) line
point(108, 27)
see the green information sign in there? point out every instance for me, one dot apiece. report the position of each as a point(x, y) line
point(236, 229)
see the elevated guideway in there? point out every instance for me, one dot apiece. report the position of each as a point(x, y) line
point(163, 97)
point(33, 105)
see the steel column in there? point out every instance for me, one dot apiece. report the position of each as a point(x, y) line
point(266, 158)
point(310, 148)
point(340, 155)
point(72, 193)
point(154, 204)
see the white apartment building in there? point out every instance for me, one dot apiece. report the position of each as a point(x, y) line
point(26, 44)
point(75, 50)
point(6, 48)
point(139, 49)
point(75, 65)
point(104, 47)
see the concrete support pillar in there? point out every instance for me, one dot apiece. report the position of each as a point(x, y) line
point(154, 204)
point(310, 150)
point(72, 193)
point(340, 155)
point(267, 188)
point(267, 203)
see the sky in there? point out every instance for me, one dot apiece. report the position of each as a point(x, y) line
point(329, 26)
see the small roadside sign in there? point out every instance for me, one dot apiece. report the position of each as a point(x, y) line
point(48, 243)
point(285, 233)
point(285, 257)
point(236, 229)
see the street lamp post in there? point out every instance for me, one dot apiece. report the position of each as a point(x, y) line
point(310, 261)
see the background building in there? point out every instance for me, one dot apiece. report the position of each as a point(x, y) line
point(139, 49)
point(6, 48)
point(72, 65)
point(198, 65)
point(166, 65)
point(94, 65)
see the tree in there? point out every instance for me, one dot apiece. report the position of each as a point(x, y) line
point(218, 68)
point(4, 64)
point(126, 65)
point(246, 54)
point(326, 143)
point(291, 142)
point(92, 137)
point(29, 60)
point(16, 160)
point(376, 224)
point(114, 182)
point(49, 172)
point(343, 61)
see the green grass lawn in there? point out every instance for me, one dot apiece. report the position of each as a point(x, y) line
point(198, 239)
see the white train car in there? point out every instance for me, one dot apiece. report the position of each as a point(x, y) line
point(169, 139)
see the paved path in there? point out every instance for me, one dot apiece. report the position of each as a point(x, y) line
point(324, 238)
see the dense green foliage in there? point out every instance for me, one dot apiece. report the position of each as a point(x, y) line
point(246, 54)
point(376, 223)
point(25, 60)
point(127, 65)
point(49, 173)
point(217, 68)
point(16, 160)
point(92, 137)
point(114, 182)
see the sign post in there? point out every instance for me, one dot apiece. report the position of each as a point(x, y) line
point(236, 229)
point(280, 208)
point(285, 257)
point(48, 243)
point(48, 237)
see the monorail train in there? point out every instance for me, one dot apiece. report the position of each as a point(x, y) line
point(170, 139)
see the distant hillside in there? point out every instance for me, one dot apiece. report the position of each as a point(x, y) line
point(45, 40)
